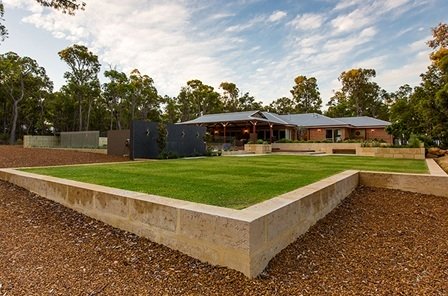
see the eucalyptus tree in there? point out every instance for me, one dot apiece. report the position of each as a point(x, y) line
point(82, 79)
point(230, 96)
point(144, 97)
point(196, 99)
point(116, 92)
point(283, 105)
point(3, 31)
point(359, 95)
point(306, 95)
point(22, 78)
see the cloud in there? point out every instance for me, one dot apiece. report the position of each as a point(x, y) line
point(240, 41)
point(277, 16)
point(156, 37)
point(307, 21)
point(248, 25)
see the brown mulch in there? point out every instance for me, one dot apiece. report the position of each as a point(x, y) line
point(377, 242)
point(443, 163)
point(17, 156)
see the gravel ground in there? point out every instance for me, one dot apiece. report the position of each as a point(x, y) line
point(17, 156)
point(377, 242)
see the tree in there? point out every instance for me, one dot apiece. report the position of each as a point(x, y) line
point(247, 102)
point(359, 96)
point(116, 93)
point(66, 6)
point(3, 31)
point(230, 96)
point(82, 81)
point(197, 99)
point(144, 97)
point(306, 95)
point(171, 114)
point(22, 78)
point(282, 105)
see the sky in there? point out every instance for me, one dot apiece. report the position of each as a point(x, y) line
point(260, 45)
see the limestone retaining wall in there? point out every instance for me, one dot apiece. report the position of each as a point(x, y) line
point(408, 153)
point(258, 148)
point(425, 184)
point(244, 240)
point(319, 147)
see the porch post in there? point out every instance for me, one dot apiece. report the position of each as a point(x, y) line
point(270, 132)
point(254, 130)
point(224, 125)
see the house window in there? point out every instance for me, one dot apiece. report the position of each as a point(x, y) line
point(334, 135)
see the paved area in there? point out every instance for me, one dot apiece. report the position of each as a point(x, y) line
point(434, 168)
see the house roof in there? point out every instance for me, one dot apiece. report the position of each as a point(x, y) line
point(312, 120)
point(363, 121)
point(302, 120)
point(238, 116)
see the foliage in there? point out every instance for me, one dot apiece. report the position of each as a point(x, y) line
point(197, 99)
point(23, 82)
point(306, 95)
point(414, 142)
point(66, 6)
point(282, 105)
point(358, 96)
point(82, 80)
point(424, 110)
point(3, 31)
point(162, 137)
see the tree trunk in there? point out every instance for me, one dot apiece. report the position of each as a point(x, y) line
point(15, 111)
point(80, 112)
point(88, 115)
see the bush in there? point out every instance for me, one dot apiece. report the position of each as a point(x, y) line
point(414, 142)
point(260, 141)
point(168, 155)
point(284, 140)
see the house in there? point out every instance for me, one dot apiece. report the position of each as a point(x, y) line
point(241, 127)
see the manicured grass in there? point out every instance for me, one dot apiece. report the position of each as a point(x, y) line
point(233, 182)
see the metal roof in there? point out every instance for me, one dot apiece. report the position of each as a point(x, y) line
point(238, 116)
point(363, 121)
point(311, 120)
point(301, 120)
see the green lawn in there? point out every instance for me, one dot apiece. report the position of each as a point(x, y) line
point(233, 182)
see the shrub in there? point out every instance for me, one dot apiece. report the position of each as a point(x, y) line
point(284, 140)
point(260, 141)
point(414, 142)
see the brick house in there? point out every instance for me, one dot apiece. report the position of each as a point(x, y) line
point(241, 127)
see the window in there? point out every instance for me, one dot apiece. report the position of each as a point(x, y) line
point(329, 134)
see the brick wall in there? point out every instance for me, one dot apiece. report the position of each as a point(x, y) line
point(378, 133)
point(316, 134)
